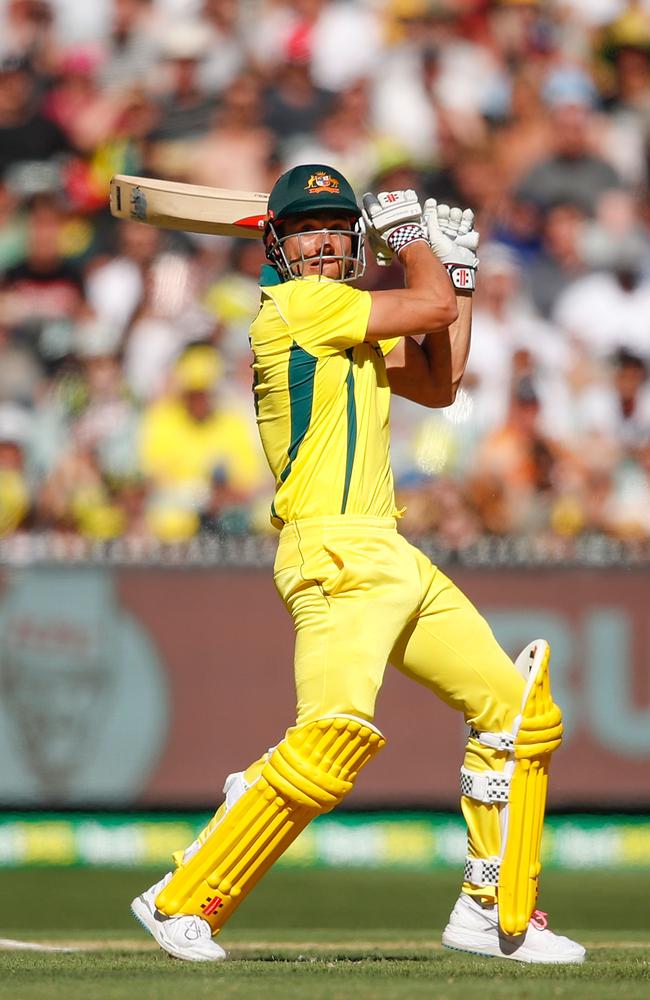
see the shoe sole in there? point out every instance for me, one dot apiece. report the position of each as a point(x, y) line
point(491, 951)
point(144, 916)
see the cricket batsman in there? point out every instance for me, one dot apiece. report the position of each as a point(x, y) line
point(326, 358)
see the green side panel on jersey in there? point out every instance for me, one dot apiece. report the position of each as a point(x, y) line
point(302, 372)
point(352, 433)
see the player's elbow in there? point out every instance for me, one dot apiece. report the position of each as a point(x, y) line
point(437, 313)
point(440, 396)
point(445, 314)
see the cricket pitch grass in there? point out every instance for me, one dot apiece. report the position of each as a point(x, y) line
point(313, 935)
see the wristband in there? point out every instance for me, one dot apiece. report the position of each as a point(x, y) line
point(462, 277)
point(404, 235)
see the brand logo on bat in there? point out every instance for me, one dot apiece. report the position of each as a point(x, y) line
point(138, 205)
point(321, 183)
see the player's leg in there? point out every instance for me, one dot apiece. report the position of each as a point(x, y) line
point(514, 727)
point(344, 632)
point(189, 936)
point(308, 773)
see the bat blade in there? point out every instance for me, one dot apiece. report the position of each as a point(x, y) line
point(189, 207)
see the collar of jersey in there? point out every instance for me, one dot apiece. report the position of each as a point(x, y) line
point(270, 276)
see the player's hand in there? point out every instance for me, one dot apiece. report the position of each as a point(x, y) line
point(392, 218)
point(377, 246)
point(454, 240)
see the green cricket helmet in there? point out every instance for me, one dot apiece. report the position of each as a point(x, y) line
point(307, 189)
point(311, 187)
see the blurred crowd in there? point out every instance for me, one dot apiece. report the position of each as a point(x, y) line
point(125, 387)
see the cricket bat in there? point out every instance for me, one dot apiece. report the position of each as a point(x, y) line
point(190, 207)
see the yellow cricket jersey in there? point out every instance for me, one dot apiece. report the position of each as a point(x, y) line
point(322, 401)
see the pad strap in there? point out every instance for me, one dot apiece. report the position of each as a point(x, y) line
point(486, 786)
point(497, 741)
point(482, 871)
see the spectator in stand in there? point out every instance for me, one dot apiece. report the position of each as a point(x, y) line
point(116, 287)
point(628, 513)
point(561, 260)
point(505, 323)
point(107, 419)
point(13, 229)
point(232, 299)
point(76, 102)
point(188, 437)
point(224, 57)
point(404, 105)
point(21, 377)
point(184, 109)
point(75, 498)
point(625, 67)
point(525, 459)
point(131, 50)
point(342, 39)
point(609, 307)
point(293, 104)
point(44, 289)
point(525, 133)
point(99, 430)
point(15, 499)
point(168, 318)
point(28, 32)
point(618, 406)
point(26, 134)
point(574, 172)
point(345, 136)
point(238, 151)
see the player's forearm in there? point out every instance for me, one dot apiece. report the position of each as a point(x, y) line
point(447, 367)
point(428, 370)
point(426, 304)
point(425, 274)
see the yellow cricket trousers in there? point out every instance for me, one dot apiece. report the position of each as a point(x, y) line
point(360, 597)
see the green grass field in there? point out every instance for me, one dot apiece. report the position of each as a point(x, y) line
point(314, 935)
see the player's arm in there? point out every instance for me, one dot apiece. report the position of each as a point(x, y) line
point(429, 369)
point(426, 306)
point(393, 221)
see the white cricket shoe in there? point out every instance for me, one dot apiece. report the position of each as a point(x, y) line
point(186, 937)
point(475, 928)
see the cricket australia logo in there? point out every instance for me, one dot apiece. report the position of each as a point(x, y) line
point(322, 183)
point(138, 205)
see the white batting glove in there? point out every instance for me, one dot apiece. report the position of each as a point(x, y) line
point(394, 218)
point(454, 240)
point(378, 247)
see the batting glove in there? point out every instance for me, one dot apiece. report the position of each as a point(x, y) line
point(393, 218)
point(378, 247)
point(454, 240)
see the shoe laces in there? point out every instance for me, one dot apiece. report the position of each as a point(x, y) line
point(539, 919)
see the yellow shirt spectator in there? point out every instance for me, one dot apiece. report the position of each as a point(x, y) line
point(186, 439)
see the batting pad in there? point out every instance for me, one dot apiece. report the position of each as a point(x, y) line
point(539, 733)
point(308, 773)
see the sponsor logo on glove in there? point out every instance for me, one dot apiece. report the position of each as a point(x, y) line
point(392, 219)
